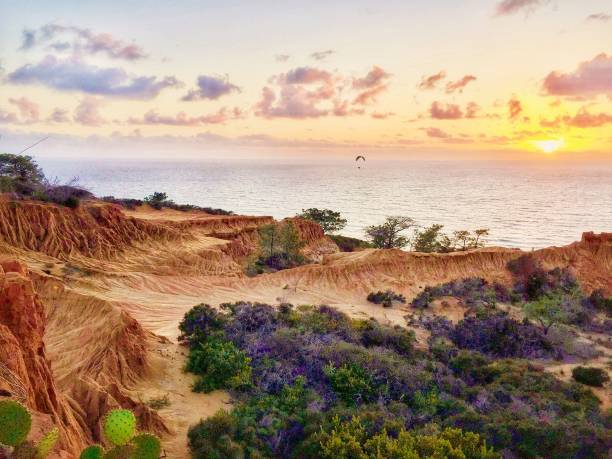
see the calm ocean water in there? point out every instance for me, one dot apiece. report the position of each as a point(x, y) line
point(525, 205)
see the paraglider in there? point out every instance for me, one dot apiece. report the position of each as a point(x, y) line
point(359, 157)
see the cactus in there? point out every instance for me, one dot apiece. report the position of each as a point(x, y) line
point(92, 452)
point(47, 443)
point(147, 446)
point(120, 426)
point(120, 452)
point(15, 422)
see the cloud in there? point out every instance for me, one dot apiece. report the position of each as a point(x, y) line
point(459, 85)
point(7, 117)
point(83, 41)
point(583, 119)
point(211, 88)
point(599, 17)
point(441, 111)
point(515, 108)
point(508, 7)
point(310, 92)
point(381, 115)
point(59, 115)
point(322, 55)
point(307, 75)
point(181, 119)
point(589, 79)
point(87, 112)
point(437, 133)
point(430, 82)
point(75, 75)
point(373, 84)
point(282, 57)
point(28, 109)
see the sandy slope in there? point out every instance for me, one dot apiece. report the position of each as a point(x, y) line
point(116, 283)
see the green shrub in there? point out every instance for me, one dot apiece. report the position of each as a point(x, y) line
point(219, 365)
point(351, 383)
point(212, 438)
point(349, 244)
point(331, 221)
point(590, 376)
point(157, 200)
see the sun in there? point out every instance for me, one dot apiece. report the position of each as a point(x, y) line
point(549, 146)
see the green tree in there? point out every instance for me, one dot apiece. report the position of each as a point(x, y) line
point(269, 240)
point(157, 200)
point(479, 237)
point(20, 167)
point(547, 311)
point(330, 220)
point(290, 242)
point(389, 234)
point(431, 239)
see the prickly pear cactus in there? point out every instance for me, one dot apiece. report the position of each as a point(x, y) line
point(92, 452)
point(47, 443)
point(15, 422)
point(146, 446)
point(119, 426)
point(120, 452)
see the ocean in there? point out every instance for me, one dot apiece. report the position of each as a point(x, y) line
point(525, 205)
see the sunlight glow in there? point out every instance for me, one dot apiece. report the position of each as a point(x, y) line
point(549, 146)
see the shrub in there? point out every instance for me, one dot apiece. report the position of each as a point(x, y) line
point(278, 248)
point(475, 291)
point(386, 298)
point(219, 365)
point(212, 438)
point(349, 244)
point(590, 376)
point(199, 323)
point(599, 301)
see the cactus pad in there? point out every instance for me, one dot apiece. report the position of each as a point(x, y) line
point(119, 426)
point(147, 446)
point(47, 443)
point(120, 452)
point(92, 452)
point(15, 422)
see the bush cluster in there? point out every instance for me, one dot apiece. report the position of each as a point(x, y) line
point(590, 376)
point(474, 291)
point(159, 200)
point(386, 298)
point(325, 385)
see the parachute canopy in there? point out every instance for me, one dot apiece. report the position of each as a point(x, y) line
point(360, 157)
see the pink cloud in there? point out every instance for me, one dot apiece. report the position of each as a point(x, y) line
point(437, 133)
point(181, 119)
point(28, 109)
point(373, 84)
point(515, 108)
point(88, 112)
point(459, 85)
point(381, 115)
point(508, 7)
point(590, 78)
point(441, 111)
point(430, 82)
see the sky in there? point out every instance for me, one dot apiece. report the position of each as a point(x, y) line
point(420, 79)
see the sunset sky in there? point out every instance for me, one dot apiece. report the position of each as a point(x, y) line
point(435, 78)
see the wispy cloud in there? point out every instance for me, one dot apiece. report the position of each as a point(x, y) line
point(211, 88)
point(508, 7)
point(59, 115)
point(282, 57)
point(589, 79)
point(372, 85)
point(87, 112)
point(430, 81)
point(322, 55)
point(182, 119)
point(75, 75)
point(459, 85)
point(603, 17)
point(80, 41)
point(440, 111)
point(583, 119)
point(29, 110)
point(515, 108)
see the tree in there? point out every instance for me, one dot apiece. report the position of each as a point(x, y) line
point(430, 239)
point(547, 311)
point(479, 237)
point(388, 235)
point(463, 239)
point(20, 167)
point(330, 220)
point(157, 200)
